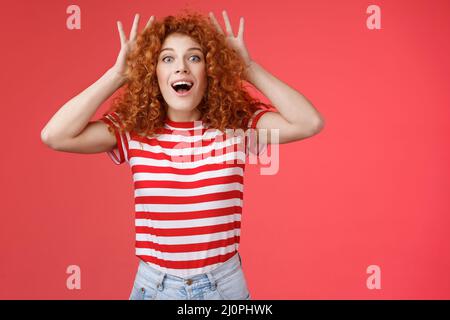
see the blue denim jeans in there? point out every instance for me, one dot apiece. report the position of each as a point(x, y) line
point(226, 282)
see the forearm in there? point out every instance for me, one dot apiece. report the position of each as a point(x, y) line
point(74, 115)
point(291, 104)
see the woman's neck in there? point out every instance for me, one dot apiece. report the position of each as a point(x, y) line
point(183, 116)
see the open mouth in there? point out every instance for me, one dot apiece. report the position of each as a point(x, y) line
point(182, 88)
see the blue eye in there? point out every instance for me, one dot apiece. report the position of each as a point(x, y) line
point(164, 59)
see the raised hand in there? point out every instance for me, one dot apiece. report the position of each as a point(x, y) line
point(237, 43)
point(127, 45)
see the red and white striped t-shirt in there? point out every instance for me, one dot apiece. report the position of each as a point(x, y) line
point(188, 190)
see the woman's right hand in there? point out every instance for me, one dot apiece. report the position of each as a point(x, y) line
point(120, 67)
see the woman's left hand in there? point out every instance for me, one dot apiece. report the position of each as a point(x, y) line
point(236, 43)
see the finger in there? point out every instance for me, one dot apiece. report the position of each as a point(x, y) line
point(216, 24)
point(227, 23)
point(241, 28)
point(149, 22)
point(121, 33)
point(134, 29)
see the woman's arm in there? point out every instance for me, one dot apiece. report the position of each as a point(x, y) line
point(69, 129)
point(297, 118)
point(70, 120)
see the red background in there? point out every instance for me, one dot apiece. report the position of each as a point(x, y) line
point(370, 189)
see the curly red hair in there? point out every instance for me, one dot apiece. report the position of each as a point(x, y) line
point(226, 102)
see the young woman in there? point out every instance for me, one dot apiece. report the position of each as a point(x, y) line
point(184, 91)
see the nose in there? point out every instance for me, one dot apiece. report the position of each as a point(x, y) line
point(181, 68)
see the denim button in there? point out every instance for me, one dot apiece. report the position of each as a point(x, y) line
point(189, 282)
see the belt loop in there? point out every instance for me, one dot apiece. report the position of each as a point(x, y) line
point(212, 281)
point(160, 281)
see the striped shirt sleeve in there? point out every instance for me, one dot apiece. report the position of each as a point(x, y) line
point(251, 145)
point(120, 153)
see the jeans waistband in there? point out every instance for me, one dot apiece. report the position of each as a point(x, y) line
point(221, 271)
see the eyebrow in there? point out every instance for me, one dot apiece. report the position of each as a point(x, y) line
point(190, 49)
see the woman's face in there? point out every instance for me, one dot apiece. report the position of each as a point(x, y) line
point(181, 57)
